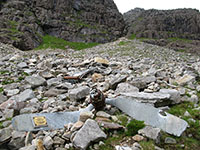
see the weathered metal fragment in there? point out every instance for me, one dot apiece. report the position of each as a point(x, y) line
point(46, 121)
point(150, 115)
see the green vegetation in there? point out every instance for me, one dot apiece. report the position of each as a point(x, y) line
point(58, 43)
point(7, 81)
point(191, 137)
point(110, 142)
point(1, 90)
point(132, 37)
point(147, 145)
point(1, 122)
point(123, 120)
point(133, 126)
point(122, 43)
point(43, 99)
point(4, 72)
point(178, 39)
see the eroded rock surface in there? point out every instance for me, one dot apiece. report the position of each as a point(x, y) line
point(23, 23)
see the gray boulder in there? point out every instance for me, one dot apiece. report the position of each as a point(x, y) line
point(5, 134)
point(152, 133)
point(35, 81)
point(79, 93)
point(174, 95)
point(3, 98)
point(126, 88)
point(90, 132)
point(157, 99)
point(17, 140)
point(142, 82)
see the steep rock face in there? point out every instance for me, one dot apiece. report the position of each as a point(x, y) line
point(24, 22)
point(181, 23)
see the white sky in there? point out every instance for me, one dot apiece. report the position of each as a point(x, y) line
point(126, 5)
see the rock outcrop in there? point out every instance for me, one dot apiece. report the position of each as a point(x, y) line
point(178, 29)
point(181, 23)
point(24, 22)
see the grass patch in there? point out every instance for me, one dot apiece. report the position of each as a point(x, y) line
point(122, 43)
point(133, 126)
point(7, 81)
point(123, 120)
point(110, 142)
point(4, 72)
point(191, 137)
point(58, 43)
point(1, 90)
point(132, 37)
point(181, 50)
point(147, 145)
point(178, 39)
point(81, 45)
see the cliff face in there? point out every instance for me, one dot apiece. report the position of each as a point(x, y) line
point(24, 22)
point(181, 23)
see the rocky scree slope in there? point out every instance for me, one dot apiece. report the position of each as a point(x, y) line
point(168, 25)
point(34, 81)
point(24, 22)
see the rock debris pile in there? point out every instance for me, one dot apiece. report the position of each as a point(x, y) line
point(39, 81)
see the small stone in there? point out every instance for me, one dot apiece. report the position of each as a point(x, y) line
point(22, 65)
point(72, 108)
point(99, 119)
point(48, 142)
point(169, 140)
point(187, 114)
point(101, 60)
point(3, 98)
point(122, 148)
point(17, 140)
point(136, 146)
point(54, 92)
point(86, 115)
point(138, 138)
point(46, 74)
point(40, 145)
point(117, 80)
point(158, 148)
point(77, 126)
point(142, 82)
point(102, 114)
point(58, 141)
point(198, 88)
point(35, 81)
point(194, 99)
point(114, 118)
point(31, 147)
point(53, 82)
point(185, 79)
point(5, 134)
point(79, 93)
point(25, 95)
point(126, 88)
point(9, 113)
point(97, 77)
point(6, 123)
point(67, 135)
point(88, 133)
point(152, 133)
point(12, 92)
point(110, 125)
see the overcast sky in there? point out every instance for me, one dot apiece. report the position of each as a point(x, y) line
point(126, 5)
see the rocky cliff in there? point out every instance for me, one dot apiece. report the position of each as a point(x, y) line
point(182, 23)
point(24, 22)
point(177, 29)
